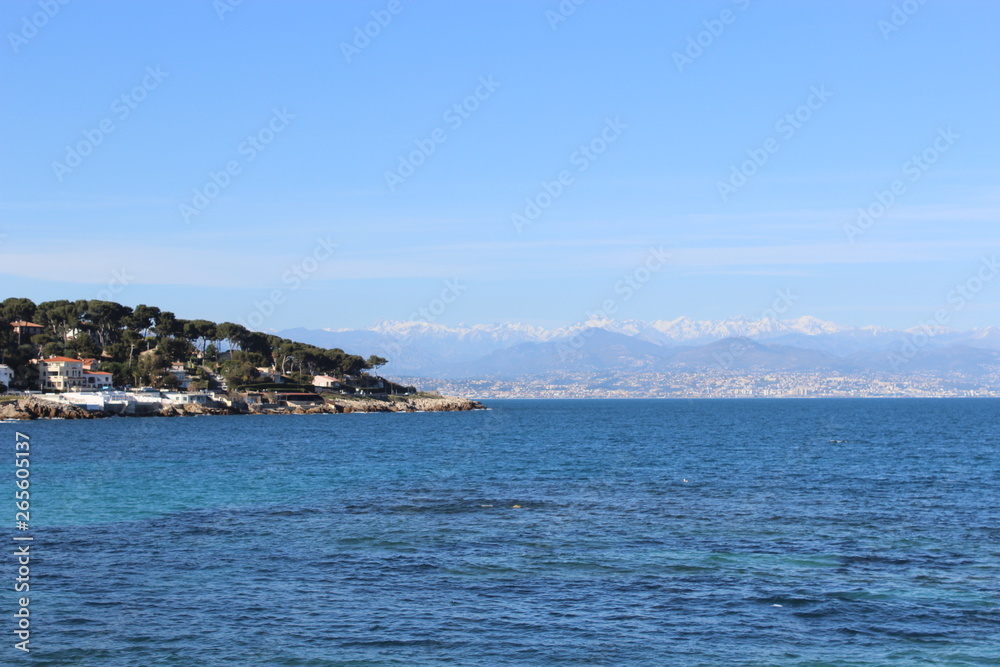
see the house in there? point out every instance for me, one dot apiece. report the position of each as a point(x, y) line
point(326, 381)
point(270, 375)
point(177, 370)
point(26, 330)
point(97, 380)
point(6, 375)
point(91, 364)
point(61, 374)
point(180, 398)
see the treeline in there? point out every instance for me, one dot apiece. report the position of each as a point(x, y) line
point(138, 344)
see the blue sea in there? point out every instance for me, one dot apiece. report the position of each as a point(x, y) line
point(630, 532)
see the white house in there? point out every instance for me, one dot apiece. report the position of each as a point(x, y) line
point(176, 397)
point(6, 375)
point(97, 380)
point(326, 381)
point(177, 370)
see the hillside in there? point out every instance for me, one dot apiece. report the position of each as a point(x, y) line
point(145, 345)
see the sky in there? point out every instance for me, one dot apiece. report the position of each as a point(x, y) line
point(333, 164)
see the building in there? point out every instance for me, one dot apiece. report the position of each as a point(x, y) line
point(25, 330)
point(61, 374)
point(6, 375)
point(97, 380)
point(326, 381)
point(180, 398)
point(270, 375)
point(177, 370)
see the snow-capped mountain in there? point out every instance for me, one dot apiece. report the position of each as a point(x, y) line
point(426, 348)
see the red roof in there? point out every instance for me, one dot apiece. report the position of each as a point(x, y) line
point(96, 373)
point(22, 323)
point(58, 359)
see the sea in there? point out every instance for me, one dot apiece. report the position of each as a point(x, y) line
point(538, 532)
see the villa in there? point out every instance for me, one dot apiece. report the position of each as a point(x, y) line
point(60, 374)
point(26, 329)
point(67, 374)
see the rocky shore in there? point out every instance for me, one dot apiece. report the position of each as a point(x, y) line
point(34, 408)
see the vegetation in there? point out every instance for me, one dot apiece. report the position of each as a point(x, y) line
point(138, 345)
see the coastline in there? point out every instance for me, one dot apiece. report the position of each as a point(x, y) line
point(31, 408)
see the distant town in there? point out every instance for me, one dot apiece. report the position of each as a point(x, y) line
point(719, 384)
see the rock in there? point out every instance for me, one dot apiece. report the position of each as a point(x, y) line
point(34, 408)
point(405, 404)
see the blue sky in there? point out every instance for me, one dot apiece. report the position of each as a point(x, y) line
point(117, 116)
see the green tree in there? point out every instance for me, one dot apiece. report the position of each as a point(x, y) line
point(108, 318)
point(53, 349)
point(14, 309)
point(200, 330)
point(82, 346)
point(167, 325)
point(175, 349)
point(60, 316)
point(375, 362)
point(238, 373)
point(141, 321)
point(233, 334)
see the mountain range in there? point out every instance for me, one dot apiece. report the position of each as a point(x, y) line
point(682, 345)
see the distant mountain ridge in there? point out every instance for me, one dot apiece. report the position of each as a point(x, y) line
point(683, 344)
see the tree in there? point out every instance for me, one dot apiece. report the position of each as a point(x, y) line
point(142, 319)
point(200, 330)
point(175, 349)
point(108, 318)
point(83, 346)
point(14, 309)
point(238, 373)
point(53, 349)
point(167, 325)
point(233, 334)
point(170, 382)
point(60, 316)
point(375, 363)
